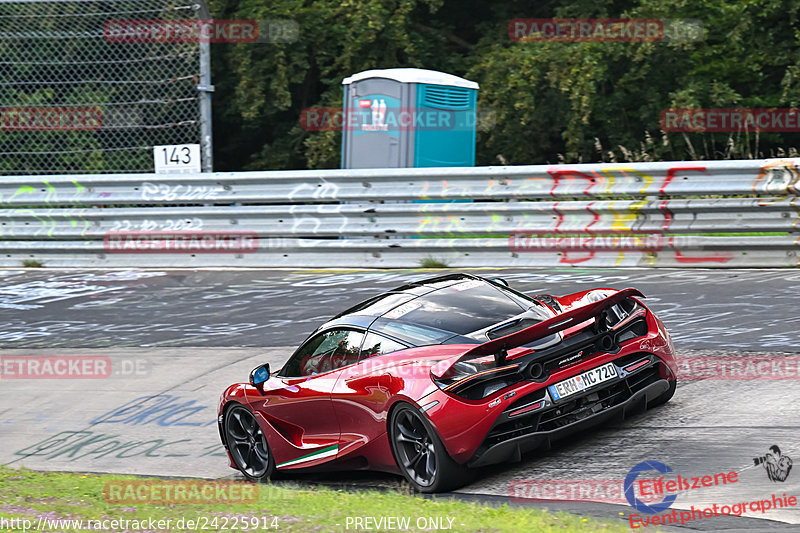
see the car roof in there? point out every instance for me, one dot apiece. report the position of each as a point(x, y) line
point(435, 310)
point(382, 303)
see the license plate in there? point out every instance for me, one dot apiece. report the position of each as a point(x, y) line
point(581, 382)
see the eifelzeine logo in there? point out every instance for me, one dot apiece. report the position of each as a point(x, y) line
point(630, 494)
point(175, 242)
point(668, 487)
point(776, 464)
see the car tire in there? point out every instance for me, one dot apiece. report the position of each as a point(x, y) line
point(420, 455)
point(247, 444)
point(665, 397)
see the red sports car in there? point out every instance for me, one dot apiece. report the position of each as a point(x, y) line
point(446, 374)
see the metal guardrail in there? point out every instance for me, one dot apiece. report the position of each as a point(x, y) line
point(701, 213)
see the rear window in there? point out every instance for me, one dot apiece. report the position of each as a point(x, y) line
point(415, 334)
point(462, 308)
point(378, 345)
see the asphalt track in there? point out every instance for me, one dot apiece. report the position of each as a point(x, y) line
point(175, 339)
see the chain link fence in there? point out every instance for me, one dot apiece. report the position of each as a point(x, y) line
point(75, 98)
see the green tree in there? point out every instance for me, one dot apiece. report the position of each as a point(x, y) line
point(552, 101)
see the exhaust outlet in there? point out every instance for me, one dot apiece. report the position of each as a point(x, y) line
point(536, 371)
point(606, 343)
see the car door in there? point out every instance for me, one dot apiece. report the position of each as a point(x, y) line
point(360, 395)
point(297, 399)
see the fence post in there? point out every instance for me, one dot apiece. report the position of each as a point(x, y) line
point(205, 88)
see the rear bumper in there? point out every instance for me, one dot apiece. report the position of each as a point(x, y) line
point(477, 432)
point(506, 445)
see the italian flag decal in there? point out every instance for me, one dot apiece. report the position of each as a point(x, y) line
point(328, 451)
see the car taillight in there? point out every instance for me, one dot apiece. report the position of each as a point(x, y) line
point(636, 365)
point(525, 409)
point(477, 385)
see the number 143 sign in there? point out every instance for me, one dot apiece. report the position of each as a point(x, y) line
point(177, 158)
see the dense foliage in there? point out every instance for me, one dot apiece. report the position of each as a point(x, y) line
point(552, 101)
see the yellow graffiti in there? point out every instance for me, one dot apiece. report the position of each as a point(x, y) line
point(646, 178)
point(624, 221)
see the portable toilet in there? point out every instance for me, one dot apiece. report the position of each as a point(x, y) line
point(408, 117)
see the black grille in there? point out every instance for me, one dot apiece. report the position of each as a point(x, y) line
point(584, 345)
point(563, 414)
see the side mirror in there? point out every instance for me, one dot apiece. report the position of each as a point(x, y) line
point(501, 281)
point(259, 375)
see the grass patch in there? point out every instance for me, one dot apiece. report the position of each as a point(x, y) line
point(32, 263)
point(32, 496)
point(430, 262)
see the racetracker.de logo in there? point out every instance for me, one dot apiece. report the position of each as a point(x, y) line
point(549, 241)
point(585, 490)
point(181, 31)
point(605, 30)
point(745, 368)
point(373, 115)
point(586, 30)
point(172, 242)
point(50, 119)
point(729, 120)
point(179, 492)
point(55, 367)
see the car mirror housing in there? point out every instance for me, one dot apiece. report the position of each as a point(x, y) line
point(259, 375)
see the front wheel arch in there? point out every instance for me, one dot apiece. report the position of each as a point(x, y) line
point(259, 464)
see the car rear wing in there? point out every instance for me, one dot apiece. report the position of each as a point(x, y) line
point(560, 322)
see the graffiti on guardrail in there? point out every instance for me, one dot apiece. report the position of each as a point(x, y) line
point(592, 182)
point(398, 217)
point(779, 176)
point(162, 192)
point(46, 221)
point(177, 224)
